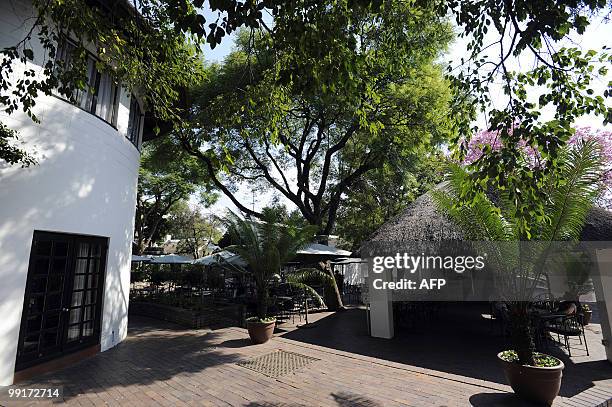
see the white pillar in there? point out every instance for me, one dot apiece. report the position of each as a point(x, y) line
point(381, 305)
point(603, 291)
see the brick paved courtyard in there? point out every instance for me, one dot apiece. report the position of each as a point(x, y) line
point(163, 364)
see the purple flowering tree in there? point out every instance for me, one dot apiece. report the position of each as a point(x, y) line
point(484, 140)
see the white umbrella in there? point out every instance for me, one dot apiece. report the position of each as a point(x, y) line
point(171, 259)
point(140, 259)
point(221, 258)
point(318, 249)
point(211, 247)
point(351, 260)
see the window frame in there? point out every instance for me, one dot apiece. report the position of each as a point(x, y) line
point(93, 105)
point(136, 115)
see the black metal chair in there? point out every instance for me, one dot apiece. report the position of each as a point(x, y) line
point(294, 309)
point(568, 326)
point(545, 301)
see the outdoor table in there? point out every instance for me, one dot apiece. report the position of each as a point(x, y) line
point(284, 303)
point(540, 318)
point(284, 299)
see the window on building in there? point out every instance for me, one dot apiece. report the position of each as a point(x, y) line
point(108, 99)
point(133, 133)
point(86, 98)
point(100, 95)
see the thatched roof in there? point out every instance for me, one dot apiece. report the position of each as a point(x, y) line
point(422, 221)
point(598, 226)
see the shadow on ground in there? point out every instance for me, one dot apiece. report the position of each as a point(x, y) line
point(499, 400)
point(152, 353)
point(459, 342)
point(343, 399)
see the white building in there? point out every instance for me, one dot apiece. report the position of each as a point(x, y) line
point(66, 224)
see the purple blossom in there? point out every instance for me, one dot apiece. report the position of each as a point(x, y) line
point(602, 137)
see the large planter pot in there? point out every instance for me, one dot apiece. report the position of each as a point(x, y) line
point(538, 384)
point(260, 332)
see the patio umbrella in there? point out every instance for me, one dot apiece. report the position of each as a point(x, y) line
point(171, 259)
point(317, 249)
point(140, 259)
point(315, 252)
point(221, 258)
point(211, 247)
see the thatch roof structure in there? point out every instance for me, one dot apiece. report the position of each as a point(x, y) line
point(598, 226)
point(422, 221)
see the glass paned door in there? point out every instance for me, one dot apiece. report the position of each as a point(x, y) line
point(61, 306)
point(84, 300)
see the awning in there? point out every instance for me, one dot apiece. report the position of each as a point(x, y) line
point(139, 259)
point(171, 259)
point(222, 258)
point(317, 249)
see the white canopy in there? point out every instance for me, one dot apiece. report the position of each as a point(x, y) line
point(350, 260)
point(323, 250)
point(221, 258)
point(137, 259)
point(171, 259)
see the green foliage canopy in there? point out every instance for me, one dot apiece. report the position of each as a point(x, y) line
point(167, 177)
point(310, 137)
point(384, 192)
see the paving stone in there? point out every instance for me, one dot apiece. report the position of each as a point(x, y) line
point(161, 364)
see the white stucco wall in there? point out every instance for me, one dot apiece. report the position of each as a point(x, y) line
point(603, 292)
point(84, 183)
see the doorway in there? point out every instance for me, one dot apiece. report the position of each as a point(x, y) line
point(63, 297)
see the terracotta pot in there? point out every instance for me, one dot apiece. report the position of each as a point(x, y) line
point(538, 384)
point(260, 332)
point(586, 318)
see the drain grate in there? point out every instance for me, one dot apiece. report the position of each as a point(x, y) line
point(277, 363)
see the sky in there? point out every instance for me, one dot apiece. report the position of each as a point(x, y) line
point(597, 35)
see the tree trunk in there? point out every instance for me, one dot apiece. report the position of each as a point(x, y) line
point(521, 335)
point(262, 301)
point(336, 298)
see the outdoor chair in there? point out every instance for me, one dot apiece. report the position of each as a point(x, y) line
point(298, 307)
point(568, 326)
point(284, 306)
point(544, 301)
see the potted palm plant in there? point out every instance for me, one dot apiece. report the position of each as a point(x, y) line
point(519, 259)
point(265, 246)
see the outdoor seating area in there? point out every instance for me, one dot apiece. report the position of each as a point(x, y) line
point(552, 322)
point(223, 278)
point(197, 287)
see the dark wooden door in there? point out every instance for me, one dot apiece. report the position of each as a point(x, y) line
point(63, 296)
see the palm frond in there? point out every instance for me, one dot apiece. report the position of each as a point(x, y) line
point(303, 279)
point(577, 187)
point(481, 220)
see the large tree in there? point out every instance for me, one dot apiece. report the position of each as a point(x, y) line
point(167, 177)
point(384, 192)
point(322, 54)
point(311, 145)
point(195, 230)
